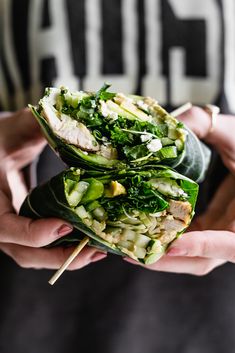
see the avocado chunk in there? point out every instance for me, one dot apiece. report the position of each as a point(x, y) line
point(115, 189)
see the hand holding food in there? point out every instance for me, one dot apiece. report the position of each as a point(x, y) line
point(22, 238)
point(212, 245)
point(213, 241)
point(122, 199)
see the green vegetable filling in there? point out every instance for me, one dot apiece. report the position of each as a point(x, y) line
point(128, 212)
point(121, 122)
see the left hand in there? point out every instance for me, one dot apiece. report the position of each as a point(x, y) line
point(213, 241)
point(23, 238)
point(21, 139)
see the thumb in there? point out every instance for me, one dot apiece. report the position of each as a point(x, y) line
point(25, 231)
point(32, 233)
point(197, 120)
point(210, 244)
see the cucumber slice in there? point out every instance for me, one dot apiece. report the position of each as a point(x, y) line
point(172, 133)
point(82, 213)
point(140, 252)
point(141, 240)
point(168, 152)
point(131, 108)
point(75, 196)
point(100, 214)
point(166, 141)
point(114, 107)
point(151, 258)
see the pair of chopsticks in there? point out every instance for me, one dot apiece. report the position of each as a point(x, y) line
point(182, 109)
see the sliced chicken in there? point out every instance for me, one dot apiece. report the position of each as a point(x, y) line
point(172, 225)
point(167, 238)
point(68, 129)
point(181, 210)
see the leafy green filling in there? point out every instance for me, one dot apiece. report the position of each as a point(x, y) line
point(123, 134)
point(140, 196)
point(102, 94)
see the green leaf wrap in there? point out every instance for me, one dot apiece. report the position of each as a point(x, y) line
point(131, 208)
point(192, 158)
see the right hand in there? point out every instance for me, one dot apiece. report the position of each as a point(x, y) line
point(221, 138)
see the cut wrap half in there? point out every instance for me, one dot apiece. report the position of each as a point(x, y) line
point(130, 212)
point(106, 131)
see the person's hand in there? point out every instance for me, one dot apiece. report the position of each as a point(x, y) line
point(20, 139)
point(213, 241)
point(221, 137)
point(199, 252)
point(23, 238)
point(21, 142)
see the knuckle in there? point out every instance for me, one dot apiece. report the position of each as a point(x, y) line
point(204, 246)
point(32, 241)
point(31, 238)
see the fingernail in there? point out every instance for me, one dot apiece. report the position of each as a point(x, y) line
point(176, 252)
point(64, 229)
point(98, 256)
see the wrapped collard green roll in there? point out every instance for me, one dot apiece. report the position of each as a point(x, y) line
point(129, 212)
point(107, 131)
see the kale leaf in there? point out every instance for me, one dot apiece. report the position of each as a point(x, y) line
point(140, 196)
point(135, 152)
point(103, 95)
